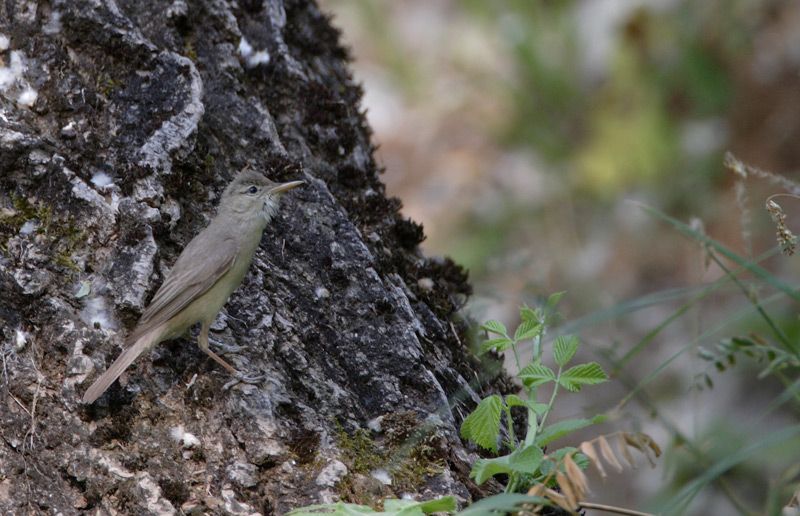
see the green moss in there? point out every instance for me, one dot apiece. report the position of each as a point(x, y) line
point(208, 162)
point(407, 452)
point(64, 259)
point(62, 237)
point(359, 450)
point(15, 218)
point(107, 84)
point(189, 51)
point(11, 221)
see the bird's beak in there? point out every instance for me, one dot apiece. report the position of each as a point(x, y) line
point(285, 186)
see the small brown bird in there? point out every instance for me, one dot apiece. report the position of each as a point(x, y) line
point(206, 273)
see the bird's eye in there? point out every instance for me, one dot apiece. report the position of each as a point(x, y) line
point(252, 190)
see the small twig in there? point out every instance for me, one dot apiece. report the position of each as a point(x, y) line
point(5, 370)
point(191, 382)
point(20, 404)
point(32, 429)
point(32, 413)
point(455, 334)
point(612, 509)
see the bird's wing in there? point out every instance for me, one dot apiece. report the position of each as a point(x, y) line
point(201, 264)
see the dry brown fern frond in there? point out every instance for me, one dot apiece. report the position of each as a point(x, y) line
point(625, 441)
point(572, 482)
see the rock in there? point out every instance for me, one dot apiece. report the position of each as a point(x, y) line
point(331, 474)
point(143, 113)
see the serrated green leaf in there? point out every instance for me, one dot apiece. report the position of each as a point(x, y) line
point(527, 330)
point(524, 460)
point(536, 374)
point(394, 505)
point(391, 507)
point(499, 344)
point(332, 509)
point(554, 299)
point(484, 469)
point(584, 374)
point(443, 504)
point(564, 348)
point(512, 400)
point(502, 504)
point(397, 507)
point(482, 426)
point(527, 313)
point(495, 327)
point(558, 430)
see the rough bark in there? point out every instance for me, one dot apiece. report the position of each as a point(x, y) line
point(143, 112)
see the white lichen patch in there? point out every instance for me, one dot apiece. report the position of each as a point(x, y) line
point(376, 425)
point(322, 293)
point(27, 97)
point(53, 25)
point(4, 42)
point(10, 74)
point(186, 439)
point(245, 49)
point(101, 180)
point(95, 313)
point(243, 473)
point(173, 134)
point(69, 130)
point(425, 284)
point(28, 228)
point(252, 57)
point(12, 81)
point(260, 57)
point(330, 475)
point(382, 476)
point(20, 339)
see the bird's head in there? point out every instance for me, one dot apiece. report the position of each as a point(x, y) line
point(250, 194)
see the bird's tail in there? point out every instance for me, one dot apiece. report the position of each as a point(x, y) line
point(119, 366)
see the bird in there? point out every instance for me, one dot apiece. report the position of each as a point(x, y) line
point(205, 274)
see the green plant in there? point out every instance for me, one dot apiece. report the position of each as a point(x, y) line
point(391, 507)
point(724, 355)
point(537, 478)
point(526, 463)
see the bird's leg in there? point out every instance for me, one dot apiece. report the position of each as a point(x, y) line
point(202, 342)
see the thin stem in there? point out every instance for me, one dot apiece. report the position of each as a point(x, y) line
point(756, 303)
point(537, 345)
point(552, 399)
point(513, 480)
point(533, 426)
point(612, 509)
point(516, 355)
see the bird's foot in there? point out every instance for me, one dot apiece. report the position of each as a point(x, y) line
point(225, 349)
point(242, 378)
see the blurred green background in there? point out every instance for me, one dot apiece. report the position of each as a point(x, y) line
point(517, 132)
